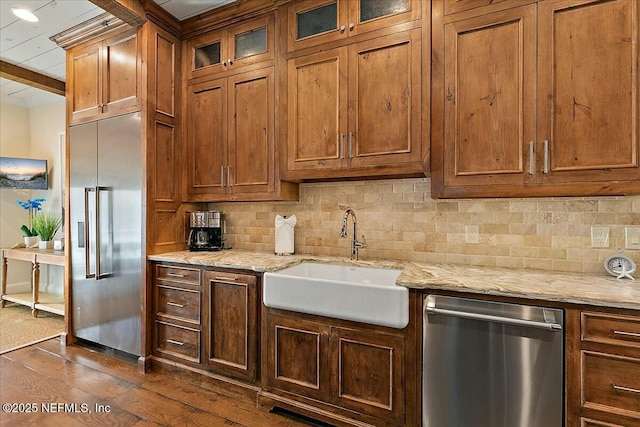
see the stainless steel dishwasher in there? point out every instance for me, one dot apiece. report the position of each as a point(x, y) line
point(491, 364)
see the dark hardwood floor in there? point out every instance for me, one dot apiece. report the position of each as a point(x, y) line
point(79, 386)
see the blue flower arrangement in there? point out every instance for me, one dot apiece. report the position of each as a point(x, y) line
point(32, 206)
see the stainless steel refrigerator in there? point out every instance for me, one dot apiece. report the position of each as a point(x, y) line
point(105, 231)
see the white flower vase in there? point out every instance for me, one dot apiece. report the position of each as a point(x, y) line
point(45, 244)
point(31, 241)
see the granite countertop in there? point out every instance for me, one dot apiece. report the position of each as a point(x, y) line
point(593, 289)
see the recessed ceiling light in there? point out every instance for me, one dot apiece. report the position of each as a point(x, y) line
point(25, 14)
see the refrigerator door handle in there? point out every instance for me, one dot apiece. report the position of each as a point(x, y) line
point(87, 247)
point(97, 190)
point(100, 273)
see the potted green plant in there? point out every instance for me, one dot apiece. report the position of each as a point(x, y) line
point(46, 225)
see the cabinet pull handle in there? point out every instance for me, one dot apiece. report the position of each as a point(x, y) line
point(351, 26)
point(228, 179)
point(546, 156)
point(350, 144)
point(627, 334)
point(620, 388)
point(222, 176)
point(228, 279)
point(342, 146)
point(342, 28)
point(530, 157)
point(174, 304)
point(175, 342)
point(176, 275)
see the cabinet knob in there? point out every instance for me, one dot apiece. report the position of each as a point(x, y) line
point(230, 61)
point(342, 28)
point(224, 63)
point(351, 26)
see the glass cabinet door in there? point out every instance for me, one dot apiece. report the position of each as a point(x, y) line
point(251, 42)
point(372, 9)
point(370, 15)
point(313, 22)
point(207, 55)
point(229, 49)
point(317, 21)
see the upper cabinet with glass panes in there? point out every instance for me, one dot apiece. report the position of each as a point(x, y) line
point(312, 22)
point(231, 48)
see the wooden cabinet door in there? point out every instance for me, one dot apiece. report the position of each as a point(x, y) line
point(84, 71)
point(207, 138)
point(368, 373)
point(312, 22)
point(298, 356)
point(206, 54)
point(104, 78)
point(251, 132)
point(251, 42)
point(490, 122)
point(232, 341)
point(121, 77)
point(317, 123)
point(385, 101)
point(589, 88)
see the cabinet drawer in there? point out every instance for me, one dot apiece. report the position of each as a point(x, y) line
point(180, 304)
point(610, 329)
point(585, 422)
point(224, 277)
point(178, 274)
point(611, 383)
point(177, 341)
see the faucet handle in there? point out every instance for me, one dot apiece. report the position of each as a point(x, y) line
point(362, 244)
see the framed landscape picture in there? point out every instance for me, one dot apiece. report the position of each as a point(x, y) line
point(23, 174)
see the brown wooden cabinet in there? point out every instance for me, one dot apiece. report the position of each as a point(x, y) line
point(603, 368)
point(231, 48)
point(104, 78)
point(177, 312)
point(352, 370)
point(313, 22)
point(207, 319)
point(356, 110)
point(231, 341)
point(230, 139)
point(522, 115)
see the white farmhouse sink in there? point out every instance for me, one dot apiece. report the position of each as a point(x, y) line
point(360, 294)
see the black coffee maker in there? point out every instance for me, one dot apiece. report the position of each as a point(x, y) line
point(206, 231)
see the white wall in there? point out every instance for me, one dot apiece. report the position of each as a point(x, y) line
point(32, 133)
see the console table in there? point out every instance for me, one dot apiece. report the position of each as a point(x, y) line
point(35, 299)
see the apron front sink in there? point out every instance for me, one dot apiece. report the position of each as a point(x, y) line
point(360, 294)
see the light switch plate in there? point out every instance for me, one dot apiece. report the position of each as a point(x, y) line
point(632, 238)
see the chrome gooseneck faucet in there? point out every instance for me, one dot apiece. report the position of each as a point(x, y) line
point(355, 245)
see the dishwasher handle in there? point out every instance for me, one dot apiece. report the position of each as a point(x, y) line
point(496, 319)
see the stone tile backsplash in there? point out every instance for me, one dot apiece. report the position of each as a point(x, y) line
point(401, 221)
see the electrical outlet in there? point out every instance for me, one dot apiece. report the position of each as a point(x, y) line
point(632, 238)
point(599, 237)
point(471, 234)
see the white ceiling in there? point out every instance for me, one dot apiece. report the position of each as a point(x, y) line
point(27, 44)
